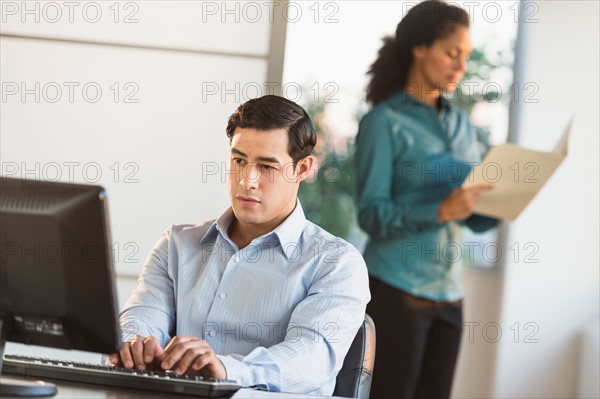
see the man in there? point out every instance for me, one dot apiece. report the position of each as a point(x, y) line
point(261, 295)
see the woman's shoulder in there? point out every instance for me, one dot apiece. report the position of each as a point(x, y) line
point(383, 113)
point(379, 120)
point(456, 110)
point(460, 113)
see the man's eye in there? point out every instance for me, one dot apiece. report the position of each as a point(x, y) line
point(238, 161)
point(452, 54)
point(267, 167)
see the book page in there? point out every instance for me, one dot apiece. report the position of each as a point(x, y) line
point(517, 174)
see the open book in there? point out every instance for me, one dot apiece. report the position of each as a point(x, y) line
point(517, 174)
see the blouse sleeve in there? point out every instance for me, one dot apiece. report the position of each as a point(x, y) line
point(378, 214)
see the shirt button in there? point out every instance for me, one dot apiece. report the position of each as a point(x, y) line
point(222, 295)
point(212, 333)
point(237, 258)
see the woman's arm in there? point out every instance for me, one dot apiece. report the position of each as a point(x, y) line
point(378, 214)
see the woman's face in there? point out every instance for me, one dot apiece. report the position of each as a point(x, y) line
point(443, 64)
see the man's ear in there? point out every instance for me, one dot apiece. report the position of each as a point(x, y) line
point(304, 167)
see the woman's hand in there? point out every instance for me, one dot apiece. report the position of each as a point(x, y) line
point(460, 203)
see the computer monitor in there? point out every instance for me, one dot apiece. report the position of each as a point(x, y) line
point(57, 282)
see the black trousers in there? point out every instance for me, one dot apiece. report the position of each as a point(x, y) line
point(417, 344)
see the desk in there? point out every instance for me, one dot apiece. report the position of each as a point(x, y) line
point(74, 390)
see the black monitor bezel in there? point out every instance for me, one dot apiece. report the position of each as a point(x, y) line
point(100, 337)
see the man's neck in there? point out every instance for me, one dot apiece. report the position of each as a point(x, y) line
point(242, 233)
point(243, 236)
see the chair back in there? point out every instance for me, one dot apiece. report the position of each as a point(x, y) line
point(354, 378)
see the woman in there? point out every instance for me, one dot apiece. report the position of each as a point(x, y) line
point(413, 151)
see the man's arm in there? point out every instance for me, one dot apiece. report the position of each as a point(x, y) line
point(321, 329)
point(150, 310)
point(320, 332)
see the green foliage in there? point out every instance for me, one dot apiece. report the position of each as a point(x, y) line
point(328, 200)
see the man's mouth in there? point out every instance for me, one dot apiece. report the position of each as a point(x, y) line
point(247, 200)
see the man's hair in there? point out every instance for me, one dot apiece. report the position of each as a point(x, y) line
point(274, 112)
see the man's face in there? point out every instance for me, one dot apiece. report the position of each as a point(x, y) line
point(263, 183)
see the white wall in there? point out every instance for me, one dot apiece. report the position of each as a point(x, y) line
point(559, 295)
point(169, 75)
point(474, 375)
point(156, 132)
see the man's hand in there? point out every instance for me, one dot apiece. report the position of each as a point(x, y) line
point(460, 203)
point(140, 352)
point(191, 355)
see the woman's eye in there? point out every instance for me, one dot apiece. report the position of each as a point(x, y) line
point(453, 54)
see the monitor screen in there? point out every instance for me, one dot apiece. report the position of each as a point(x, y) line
point(57, 283)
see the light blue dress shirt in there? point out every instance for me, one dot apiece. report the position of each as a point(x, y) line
point(280, 313)
point(408, 159)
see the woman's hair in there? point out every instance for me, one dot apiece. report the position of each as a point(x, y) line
point(423, 24)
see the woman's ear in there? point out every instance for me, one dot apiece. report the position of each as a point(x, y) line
point(419, 52)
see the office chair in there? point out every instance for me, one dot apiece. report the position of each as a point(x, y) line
point(354, 378)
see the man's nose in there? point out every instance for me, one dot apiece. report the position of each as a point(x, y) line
point(250, 177)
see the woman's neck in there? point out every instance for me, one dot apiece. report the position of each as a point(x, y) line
point(418, 87)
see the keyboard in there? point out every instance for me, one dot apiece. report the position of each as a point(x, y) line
point(162, 381)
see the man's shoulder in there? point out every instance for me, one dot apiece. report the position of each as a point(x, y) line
point(190, 231)
point(335, 262)
point(331, 245)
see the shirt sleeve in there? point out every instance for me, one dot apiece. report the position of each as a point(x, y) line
point(320, 332)
point(378, 214)
point(150, 310)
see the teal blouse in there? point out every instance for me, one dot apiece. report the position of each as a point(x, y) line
point(408, 159)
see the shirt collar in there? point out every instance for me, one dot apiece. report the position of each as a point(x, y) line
point(288, 232)
point(219, 226)
point(402, 99)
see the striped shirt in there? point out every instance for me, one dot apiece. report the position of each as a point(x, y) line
point(280, 313)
